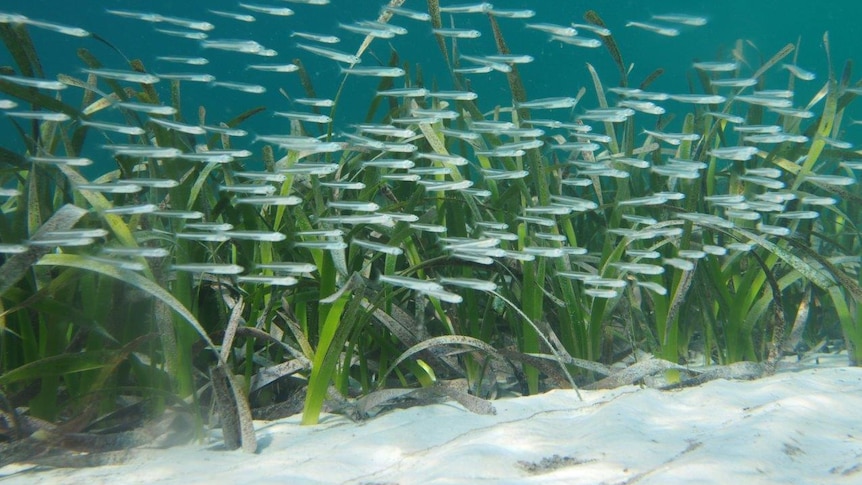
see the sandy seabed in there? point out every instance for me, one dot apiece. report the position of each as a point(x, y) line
point(800, 426)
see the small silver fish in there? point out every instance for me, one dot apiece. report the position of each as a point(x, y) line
point(799, 73)
point(411, 283)
point(39, 115)
point(325, 39)
point(698, 98)
point(192, 61)
point(673, 138)
point(111, 188)
point(177, 214)
point(438, 186)
point(410, 14)
point(343, 185)
point(243, 87)
point(285, 200)
point(643, 106)
point(666, 31)
point(794, 112)
point(379, 247)
point(206, 157)
point(690, 20)
point(232, 15)
point(405, 92)
point(212, 268)
point(324, 245)
point(60, 29)
point(652, 286)
point(677, 172)
point(190, 77)
point(267, 9)
point(142, 252)
point(373, 71)
point(177, 126)
point(772, 230)
point(373, 32)
point(70, 161)
point(578, 41)
point(454, 95)
point(716, 66)
point(389, 163)
point(34, 82)
point(273, 67)
point(234, 45)
point(471, 283)
point(513, 14)
point(603, 31)
point(554, 29)
point(202, 236)
point(734, 153)
point(224, 130)
point(209, 226)
point(250, 189)
point(268, 280)
point(288, 267)
point(311, 168)
point(473, 70)
point(184, 34)
point(263, 236)
point(152, 183)
point(434, 228)
point(121, 75)
point(457, 33)
point(549, 103)
point(262, 176)
point(151, 109)
point(726, 117)
point(308, 117)
point(496, 66)
point(511, 58)
point(736, 82)
point(145, 16)
point(767, 101)
point(493, 174)
point(187, 23)
point(331, 54)
point(483, 7)
point(143, 151)
point(132, 209)
point(354, 205)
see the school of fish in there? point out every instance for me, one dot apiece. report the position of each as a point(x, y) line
point(558, 124)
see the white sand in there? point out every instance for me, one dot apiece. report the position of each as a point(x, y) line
point(800, 426)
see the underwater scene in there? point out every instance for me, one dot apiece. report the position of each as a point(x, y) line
point(252, 209)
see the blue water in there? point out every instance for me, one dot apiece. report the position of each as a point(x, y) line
point(558, 70)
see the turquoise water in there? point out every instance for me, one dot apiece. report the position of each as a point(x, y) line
point(558, 70)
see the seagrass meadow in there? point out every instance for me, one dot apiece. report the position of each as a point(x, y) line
point(282, 210)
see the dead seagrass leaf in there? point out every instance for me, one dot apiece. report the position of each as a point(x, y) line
point(237, 427)
point(634, 373)
point(232, 325)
